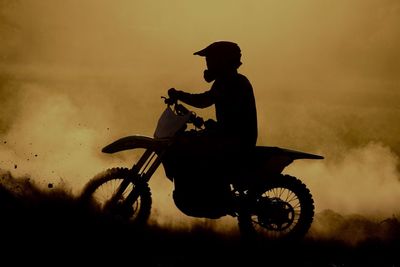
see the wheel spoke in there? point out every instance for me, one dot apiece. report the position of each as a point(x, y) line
point(281, 191)
point(283, 217)
point(102, 189)
point(294, 197)
point(289, 196)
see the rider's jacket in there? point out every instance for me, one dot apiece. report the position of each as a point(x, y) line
point(235, 107)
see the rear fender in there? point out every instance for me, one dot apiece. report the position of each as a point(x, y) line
point(276, 159)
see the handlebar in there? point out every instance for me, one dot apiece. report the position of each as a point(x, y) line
point(169, 101)
point(197, 121)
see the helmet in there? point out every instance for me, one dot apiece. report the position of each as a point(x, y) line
point(222, 50)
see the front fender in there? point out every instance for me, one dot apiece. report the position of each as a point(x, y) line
point(136, 141)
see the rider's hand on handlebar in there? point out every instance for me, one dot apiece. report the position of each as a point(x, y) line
point(173, 94)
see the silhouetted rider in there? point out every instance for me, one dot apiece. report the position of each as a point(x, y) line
point(206, 161)
point(232, 95)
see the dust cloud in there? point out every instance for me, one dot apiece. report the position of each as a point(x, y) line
point(364, 181)
point(76, 75)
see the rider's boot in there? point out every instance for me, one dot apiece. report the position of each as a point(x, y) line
point(242, 201)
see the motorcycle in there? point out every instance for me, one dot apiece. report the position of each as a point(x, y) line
point(265, 202)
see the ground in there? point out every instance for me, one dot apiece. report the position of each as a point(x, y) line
point(52, 226)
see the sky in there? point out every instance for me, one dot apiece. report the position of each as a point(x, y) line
point(76, 75)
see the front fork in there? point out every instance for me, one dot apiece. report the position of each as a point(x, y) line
point(139, 176)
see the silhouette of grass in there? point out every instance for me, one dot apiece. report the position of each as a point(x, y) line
point(50, 224)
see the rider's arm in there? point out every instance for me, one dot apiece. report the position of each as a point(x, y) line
point(202, 100)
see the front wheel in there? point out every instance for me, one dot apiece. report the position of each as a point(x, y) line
point(109, 190)
point(284, 210)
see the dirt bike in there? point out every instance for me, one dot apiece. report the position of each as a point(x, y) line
point(266, 203)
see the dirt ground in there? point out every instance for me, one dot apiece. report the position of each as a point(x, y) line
point(52, 227)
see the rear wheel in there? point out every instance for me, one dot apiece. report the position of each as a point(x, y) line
point(285, 210)
point(104, 192)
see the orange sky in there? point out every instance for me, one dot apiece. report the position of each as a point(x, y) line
point(75, 75)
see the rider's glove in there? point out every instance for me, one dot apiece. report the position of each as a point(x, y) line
point(173, 94)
